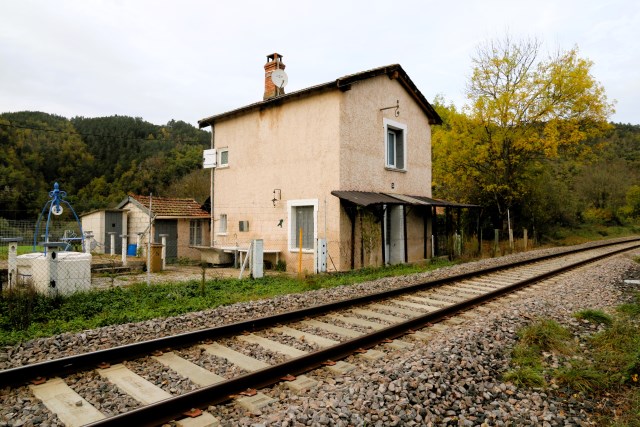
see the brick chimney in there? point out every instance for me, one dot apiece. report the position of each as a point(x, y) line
point(274, 62)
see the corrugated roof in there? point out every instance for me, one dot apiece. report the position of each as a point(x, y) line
point(169, 207)
point(368, 198)
point(445, 203)
point(394, 71)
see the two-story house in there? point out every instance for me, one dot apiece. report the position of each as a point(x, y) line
point(348, 161)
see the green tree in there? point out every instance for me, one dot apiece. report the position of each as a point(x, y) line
point(632, 208)
point(523, 109)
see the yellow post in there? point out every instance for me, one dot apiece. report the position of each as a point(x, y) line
point(300, 256)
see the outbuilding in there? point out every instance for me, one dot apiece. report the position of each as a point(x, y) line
point(182, 221)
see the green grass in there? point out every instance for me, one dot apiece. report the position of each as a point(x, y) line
point(589, 232)
point(22, 249)
point(617, 351)
point(606, 364)
point(594, 316)
point(580, 377)
point(546, 335)
point(631, 309)
point(541, 336)
point(525, 376)
point(27, 315)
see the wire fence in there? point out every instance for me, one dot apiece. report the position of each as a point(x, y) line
point(64, 266)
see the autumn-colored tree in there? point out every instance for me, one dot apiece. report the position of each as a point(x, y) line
point(523, 109)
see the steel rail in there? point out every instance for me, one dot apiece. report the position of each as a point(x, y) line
point(65, 365)
point(170, 409)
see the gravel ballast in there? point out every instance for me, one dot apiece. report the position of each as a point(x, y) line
point(452, 379)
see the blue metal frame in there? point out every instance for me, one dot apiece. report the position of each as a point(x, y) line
point(56, 197)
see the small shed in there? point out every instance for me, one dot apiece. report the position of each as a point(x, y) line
point(183, 221)
point(101, 223)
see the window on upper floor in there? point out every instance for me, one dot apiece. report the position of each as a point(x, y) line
point(222, 224)
point(395, 137)
point(224, 158)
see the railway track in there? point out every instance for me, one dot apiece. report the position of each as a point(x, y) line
point(296, 342)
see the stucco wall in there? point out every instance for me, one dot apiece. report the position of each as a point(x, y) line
point(184, 234)
point(362, 165)
point(94, 222)
point(307, 148)
point(293, 148)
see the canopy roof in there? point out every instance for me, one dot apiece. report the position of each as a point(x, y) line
point(369, 198)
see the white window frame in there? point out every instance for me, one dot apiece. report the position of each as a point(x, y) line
point(195, 232)
point(292, 223)
point(220, 163)
point(221, 222)
point(392, 125)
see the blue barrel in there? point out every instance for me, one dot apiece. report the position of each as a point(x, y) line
point(132, 249)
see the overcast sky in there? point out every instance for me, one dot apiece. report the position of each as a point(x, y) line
point(187, 59)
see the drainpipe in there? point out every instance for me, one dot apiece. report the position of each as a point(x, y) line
point(212, 232)
point(383, 235)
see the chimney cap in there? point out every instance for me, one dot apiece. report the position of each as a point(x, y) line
point(274, 57)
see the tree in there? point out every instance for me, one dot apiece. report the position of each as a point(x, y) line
point(632, 207)
point(523, 109)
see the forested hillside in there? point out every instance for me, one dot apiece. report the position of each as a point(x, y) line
point(97, 161)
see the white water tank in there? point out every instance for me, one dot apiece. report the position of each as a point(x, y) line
point(56, 272)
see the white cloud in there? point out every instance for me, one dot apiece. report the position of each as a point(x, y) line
point(163, 60)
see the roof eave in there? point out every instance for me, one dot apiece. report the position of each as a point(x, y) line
point(394, 71)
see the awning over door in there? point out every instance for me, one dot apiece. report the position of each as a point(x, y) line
point(369, 198)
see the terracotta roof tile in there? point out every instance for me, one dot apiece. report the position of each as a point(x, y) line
point(168, 206)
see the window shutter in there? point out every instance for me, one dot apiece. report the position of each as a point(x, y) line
point(391, 148)
point(400, 151)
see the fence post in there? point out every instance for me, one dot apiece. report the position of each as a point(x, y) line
point(511, 240)
point(525, 239)
point(496, 244)
point(12, 261)
point(88, 236)
point(112, 236)
point(124, 249)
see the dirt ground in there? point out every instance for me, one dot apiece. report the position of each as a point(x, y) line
point(102, 276)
